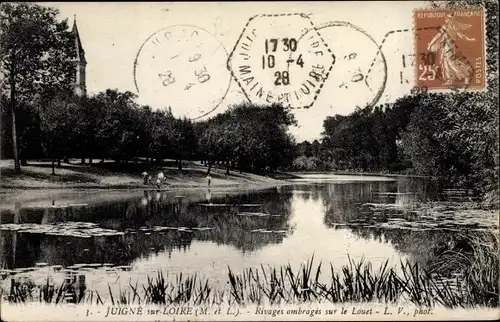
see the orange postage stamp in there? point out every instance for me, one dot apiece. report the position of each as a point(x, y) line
point(449, 49)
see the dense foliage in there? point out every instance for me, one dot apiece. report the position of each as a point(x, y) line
point(255, 137)
point(110, 125)
point(453, 137)
point(36, 56)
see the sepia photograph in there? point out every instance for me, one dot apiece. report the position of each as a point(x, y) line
point(249, 161)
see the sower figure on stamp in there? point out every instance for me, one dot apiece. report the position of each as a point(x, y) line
point(453, 67)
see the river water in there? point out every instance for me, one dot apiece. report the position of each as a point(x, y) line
point(206, 231)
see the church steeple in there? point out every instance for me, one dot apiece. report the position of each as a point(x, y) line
point(80, 86)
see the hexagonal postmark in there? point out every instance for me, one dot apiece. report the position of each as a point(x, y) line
point(273, 62)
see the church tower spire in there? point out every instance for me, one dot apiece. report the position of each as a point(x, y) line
point(80, 85)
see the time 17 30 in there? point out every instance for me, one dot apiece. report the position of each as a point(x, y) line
point(269, 60)
point(288, 44)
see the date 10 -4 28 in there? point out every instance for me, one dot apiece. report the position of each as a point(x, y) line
point(274, 45)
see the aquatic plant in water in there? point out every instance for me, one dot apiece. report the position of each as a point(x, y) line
point(360, 281)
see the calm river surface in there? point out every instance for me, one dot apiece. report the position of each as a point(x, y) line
point(205, 232)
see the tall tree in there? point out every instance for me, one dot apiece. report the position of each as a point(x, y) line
point(475, 115)
point(184, 141)
point(161, 132)
point(57, 125)
point(35, 57)
point(119, 132)
point(253, 136)
point(430, 152)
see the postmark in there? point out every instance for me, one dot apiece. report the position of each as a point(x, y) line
point(353, 73)
point(272, 64)
point(182, 67)
point(449, 49)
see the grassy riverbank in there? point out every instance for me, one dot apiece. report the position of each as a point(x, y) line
point(38, 175)
point(357, 282)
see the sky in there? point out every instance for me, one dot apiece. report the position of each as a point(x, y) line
point(115, 36)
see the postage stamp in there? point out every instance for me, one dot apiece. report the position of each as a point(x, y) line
point(183, 67)
point(271, 63)
point(449, 49)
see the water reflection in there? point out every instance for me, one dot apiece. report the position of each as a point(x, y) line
point(136, 217)
point(210, 230)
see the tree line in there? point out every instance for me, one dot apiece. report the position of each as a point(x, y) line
point(452, 136)
point(41, 119)
point(111, 125)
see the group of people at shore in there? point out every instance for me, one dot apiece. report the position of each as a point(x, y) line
point(148, 179)
point(160, 179)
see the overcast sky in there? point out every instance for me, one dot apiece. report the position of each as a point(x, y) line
point(113, 33)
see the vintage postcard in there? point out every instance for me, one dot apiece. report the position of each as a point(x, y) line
point(252, 161)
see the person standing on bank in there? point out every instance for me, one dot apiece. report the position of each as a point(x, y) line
point(209, 180)
point(209, 197)
point(160, 179)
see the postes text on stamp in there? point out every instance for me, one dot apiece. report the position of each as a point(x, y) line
point(449, 49)
point(272, 63)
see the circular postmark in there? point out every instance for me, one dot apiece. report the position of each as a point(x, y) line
point(358, 78)
point(182, 67)
point(271, 65)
